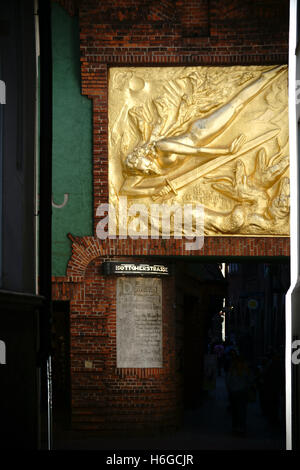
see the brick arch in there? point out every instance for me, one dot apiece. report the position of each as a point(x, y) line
point(87, 248)
point(84, 251)
point(90, 270)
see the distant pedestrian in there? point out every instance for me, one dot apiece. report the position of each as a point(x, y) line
point(239, 380)
point(227, 357)
point(219, 352)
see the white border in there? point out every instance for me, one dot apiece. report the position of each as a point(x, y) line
point(294, 222)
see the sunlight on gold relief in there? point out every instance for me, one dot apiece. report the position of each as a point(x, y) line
point(217, 136)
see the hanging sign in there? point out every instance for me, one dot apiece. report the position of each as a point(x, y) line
point(137, 269)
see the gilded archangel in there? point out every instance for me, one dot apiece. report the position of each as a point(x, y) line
point(211, 135)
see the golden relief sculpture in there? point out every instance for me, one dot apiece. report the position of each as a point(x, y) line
point(216, 136)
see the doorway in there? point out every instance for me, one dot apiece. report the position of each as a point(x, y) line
point(61, 364)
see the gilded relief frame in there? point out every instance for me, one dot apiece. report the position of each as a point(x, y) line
point(215, 136)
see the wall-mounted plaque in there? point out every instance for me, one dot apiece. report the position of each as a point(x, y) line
point(139, 322)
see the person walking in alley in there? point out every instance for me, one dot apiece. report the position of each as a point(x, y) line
point(238, 383)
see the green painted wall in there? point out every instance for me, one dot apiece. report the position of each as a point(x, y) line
point(72, 141)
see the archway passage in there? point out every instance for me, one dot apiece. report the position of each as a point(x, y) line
point(234, 340)
point(207, 304)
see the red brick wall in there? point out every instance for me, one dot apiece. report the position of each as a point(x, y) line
point(84, 249)
point(144, 32)
point(165, 32)
point(105, 398)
